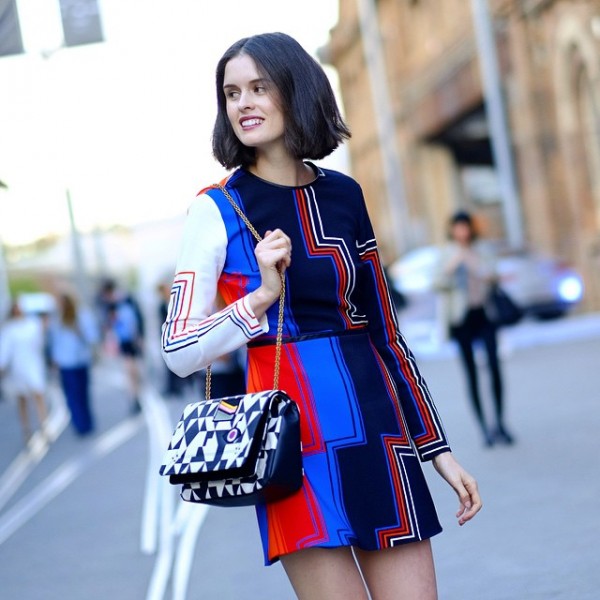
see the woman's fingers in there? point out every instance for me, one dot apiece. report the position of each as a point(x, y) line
point(462, 483)
point(274, 250)
point(276, 239)
point(269, 258)
point(274, 255)
point(470, 500)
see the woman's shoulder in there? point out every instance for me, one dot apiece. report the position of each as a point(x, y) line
point(485, 248)
point(7, 329)
point(445, 251)
point(340, 187)
point(86, 316)
point(206, 215)
point(335, 176)
point(207, 202)
point(212, 195)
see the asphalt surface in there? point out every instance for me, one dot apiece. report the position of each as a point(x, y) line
point(74, 520)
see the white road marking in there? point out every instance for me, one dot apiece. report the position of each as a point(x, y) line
point(26, 461)
point(169, 525)
point(62, 477)
point(186, 548)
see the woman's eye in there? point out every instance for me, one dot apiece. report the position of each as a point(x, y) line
point(259, 89)
point(232, 95)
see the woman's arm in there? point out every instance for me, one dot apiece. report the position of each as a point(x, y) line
point(424, 423)
point(192, 335)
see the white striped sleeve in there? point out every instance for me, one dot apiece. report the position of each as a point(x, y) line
point(192, 335)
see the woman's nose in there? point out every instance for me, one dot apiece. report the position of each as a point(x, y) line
point(245, 100)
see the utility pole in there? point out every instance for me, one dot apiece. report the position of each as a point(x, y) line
point(496, 114)
point(101, 262)
point(385, 122)
point(80, 274)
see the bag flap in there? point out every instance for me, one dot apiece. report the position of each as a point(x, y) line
point(217, 434)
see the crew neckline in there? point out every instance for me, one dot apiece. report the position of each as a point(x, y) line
point(316, 170)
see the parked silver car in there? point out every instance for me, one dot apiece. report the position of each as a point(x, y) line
point(543, 286)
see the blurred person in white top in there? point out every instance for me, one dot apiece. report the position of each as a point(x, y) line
point(23, 365)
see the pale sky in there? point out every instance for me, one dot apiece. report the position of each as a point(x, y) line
point(125, 125)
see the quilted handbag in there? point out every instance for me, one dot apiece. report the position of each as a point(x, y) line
point(239, 450)
point(501, 309)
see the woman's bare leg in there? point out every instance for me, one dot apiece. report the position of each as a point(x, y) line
point(325, 574)
point(132, 368)
point(24, 417)
point(40, 404)
point(405, 572)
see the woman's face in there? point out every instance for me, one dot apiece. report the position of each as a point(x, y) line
point(461, 233)
point(252, 105)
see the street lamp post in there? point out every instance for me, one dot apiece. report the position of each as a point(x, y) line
point(80, 271)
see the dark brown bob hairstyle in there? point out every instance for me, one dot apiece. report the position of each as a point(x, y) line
point(462, 216)
point(314, 127)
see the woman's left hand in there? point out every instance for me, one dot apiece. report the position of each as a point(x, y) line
point(463, 484)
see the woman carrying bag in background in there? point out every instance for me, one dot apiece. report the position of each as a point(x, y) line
point(466, 276)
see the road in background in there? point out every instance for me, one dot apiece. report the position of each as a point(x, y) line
point(77, 518)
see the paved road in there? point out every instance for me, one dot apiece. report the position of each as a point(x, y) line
point(74, 528)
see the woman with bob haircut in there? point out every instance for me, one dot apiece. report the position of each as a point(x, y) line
point(360, 525)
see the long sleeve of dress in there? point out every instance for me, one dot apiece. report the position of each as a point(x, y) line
point(193, 335)
point(423, 420)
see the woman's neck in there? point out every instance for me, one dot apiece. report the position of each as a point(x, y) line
point(283, 171)
point(464, 243)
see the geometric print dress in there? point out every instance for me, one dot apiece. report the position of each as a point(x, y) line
point(367, 417)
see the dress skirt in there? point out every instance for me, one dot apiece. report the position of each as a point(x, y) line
point(363, 483)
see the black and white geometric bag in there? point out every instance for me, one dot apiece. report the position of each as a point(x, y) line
point(239, 450)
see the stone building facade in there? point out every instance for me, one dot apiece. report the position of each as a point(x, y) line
point(549, 59)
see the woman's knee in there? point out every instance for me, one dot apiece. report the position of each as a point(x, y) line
point(402, 572)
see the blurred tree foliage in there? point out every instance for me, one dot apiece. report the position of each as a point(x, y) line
point(24, 285)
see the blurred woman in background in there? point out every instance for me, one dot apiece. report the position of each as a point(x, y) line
point(73, 338)
point(467, 272)
point(23, 365)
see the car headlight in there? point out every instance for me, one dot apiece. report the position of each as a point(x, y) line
point(570, 289)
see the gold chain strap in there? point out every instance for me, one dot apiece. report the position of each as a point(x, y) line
point(279, 338)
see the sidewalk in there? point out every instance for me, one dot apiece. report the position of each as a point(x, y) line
point(536, 536)
point(427, 343)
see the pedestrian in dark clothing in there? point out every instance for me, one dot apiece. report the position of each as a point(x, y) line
point(124, 323)
point(466, 274)
point(174, 386)
point(228, 372)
